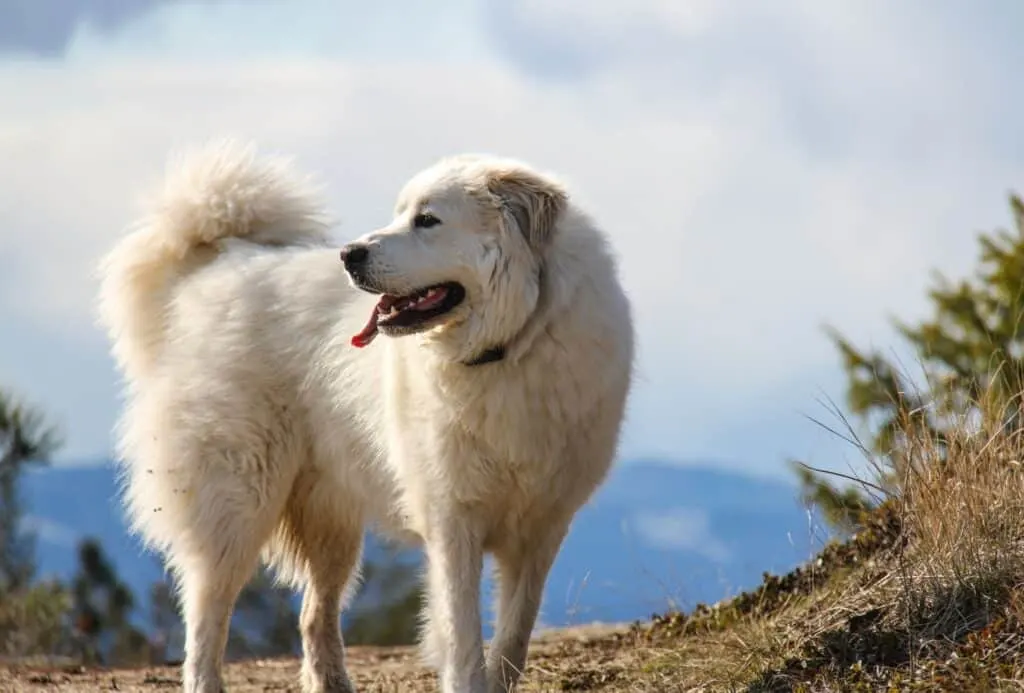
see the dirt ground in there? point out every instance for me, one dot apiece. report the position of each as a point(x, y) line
point(579, 659)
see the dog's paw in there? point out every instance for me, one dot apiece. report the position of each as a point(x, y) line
point(333, 681)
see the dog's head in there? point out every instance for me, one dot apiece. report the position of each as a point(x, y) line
point(463, 255)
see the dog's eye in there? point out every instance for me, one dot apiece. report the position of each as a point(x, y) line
point(425, 221)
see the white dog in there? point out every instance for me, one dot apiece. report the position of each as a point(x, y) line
point(255, 423)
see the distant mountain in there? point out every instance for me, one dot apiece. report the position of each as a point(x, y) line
point(656, 535)
point(660, 535)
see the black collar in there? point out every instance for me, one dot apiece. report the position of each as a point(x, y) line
point(489, 356)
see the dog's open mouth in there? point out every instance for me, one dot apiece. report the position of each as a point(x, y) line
point(404, 314)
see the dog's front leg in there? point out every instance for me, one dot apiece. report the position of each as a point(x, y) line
point(523, 564)
point(453, 640)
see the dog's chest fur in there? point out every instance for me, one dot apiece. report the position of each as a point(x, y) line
point(486, 434)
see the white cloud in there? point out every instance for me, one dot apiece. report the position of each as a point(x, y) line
point(751, 195)
point(681, 529)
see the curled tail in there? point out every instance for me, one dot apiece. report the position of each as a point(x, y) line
point(223, 190)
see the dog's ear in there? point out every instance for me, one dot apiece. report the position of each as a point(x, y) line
point(534, 202)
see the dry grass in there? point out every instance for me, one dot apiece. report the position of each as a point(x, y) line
point(928, 596)
point(966, 520)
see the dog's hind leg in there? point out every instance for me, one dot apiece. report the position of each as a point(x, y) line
point(218, 522)
point(209, 589)
point(318, 545)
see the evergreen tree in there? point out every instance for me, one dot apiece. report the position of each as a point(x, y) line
point(32, 616)
point(970, 351)
point(266, 622)
point(386, 610)
point(168, 636)
point(25, 440)
point(102, 606)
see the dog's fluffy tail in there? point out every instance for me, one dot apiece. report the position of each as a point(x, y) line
point(219, 191)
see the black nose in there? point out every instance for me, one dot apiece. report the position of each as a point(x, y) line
point(354, 254)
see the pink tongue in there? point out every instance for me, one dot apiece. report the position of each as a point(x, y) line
point(364, 337)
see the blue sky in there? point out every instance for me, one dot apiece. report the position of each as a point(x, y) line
point(762, 168)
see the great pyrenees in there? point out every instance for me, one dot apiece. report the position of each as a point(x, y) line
point(457, 378)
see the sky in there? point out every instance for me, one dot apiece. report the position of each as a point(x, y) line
point(763, 169)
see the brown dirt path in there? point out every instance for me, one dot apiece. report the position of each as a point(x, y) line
point(579, 659)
